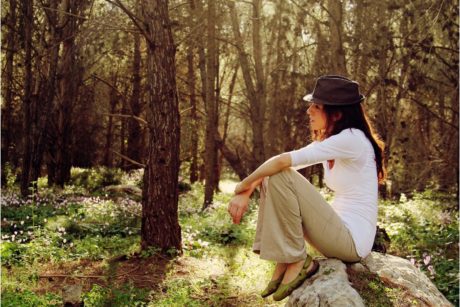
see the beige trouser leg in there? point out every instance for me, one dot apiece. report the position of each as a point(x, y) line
point(290, 209)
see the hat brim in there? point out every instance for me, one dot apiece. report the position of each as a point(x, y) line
point(310, 98)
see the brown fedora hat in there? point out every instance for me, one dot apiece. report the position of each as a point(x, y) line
point(335, 90)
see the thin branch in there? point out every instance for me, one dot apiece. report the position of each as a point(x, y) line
point(74, 276)
point(308, 13)
point(192, 31)
point(185, 110)
point(127, 158)
point(227, 42)
point(433, 113)
point(63, 12)
point(111, 86)
point(139, 119)
point(135, 19)
point(128, 272)
point(173, 8)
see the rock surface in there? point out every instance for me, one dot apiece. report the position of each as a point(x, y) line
point(71, 295)
point(402, 273)
point(330, 286)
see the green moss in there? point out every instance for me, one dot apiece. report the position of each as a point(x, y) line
point(377, 293)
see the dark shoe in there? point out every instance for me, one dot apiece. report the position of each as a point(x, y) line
point(272, 286)
point(285, 290)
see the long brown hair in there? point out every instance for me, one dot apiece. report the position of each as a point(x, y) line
point(339, 118)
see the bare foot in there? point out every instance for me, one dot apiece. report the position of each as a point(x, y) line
point(280, 268)
point(293, 270)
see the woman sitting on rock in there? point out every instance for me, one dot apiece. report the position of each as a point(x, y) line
point(291, 209)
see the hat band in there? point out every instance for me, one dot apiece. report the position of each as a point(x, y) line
point(312, 98)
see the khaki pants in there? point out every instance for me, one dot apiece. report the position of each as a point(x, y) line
point(291, 211)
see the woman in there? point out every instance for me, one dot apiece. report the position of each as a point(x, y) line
point(292, 210)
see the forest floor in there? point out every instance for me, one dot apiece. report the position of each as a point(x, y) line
point(85, 240)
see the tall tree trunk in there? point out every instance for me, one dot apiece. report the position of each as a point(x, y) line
point(160, 226)
point(108, 156)
point(193, 110)
point(134, 151)
point(211, 106)
point(27, 15)
point(123, 132)
point(7, 112)
point(275, 132)
point(198, 11)
point(338, 62)
point(67, 89)
point(363, 47)
point(258, 107)
point(255, 93)
point(37, 102)
point(55, 21)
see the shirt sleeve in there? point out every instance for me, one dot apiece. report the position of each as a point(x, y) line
point(345, 145)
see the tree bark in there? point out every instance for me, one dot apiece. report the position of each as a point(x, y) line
point(274, 141)
point(160, 226)
point(211, 107)
point(259, 105)
point(255, 93)
point(193, 109)
point(7, 112)
point(338, 61)
point(108, 156)
point(134, 150)
point(68, 85)
point(27, 15)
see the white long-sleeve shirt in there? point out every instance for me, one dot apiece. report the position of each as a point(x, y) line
point(353, 179)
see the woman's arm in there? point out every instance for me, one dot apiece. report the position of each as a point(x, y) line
point(270, 167)
point(239, 203)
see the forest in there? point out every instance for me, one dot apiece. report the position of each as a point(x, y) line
point(126, 124)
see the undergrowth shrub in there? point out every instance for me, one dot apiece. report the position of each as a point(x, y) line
point(125, 295)
point(424, 229)
point(27, 298)
point(94, 179)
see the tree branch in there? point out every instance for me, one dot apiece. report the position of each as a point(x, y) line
point(139, 119)
point(419, 103)
point(127, 158)
point(135, 19)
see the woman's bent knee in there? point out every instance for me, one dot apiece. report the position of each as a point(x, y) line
point(281, 177)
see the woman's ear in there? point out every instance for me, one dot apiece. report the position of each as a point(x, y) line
point(336, 116)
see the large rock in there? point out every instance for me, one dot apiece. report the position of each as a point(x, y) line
point(401, 272)
point(328, 287)
point(331, 285)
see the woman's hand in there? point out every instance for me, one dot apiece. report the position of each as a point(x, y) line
point(241, 187)
point(238, 206)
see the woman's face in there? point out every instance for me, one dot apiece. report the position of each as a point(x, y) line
point(317, 116)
